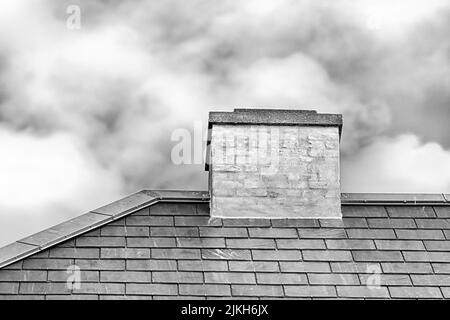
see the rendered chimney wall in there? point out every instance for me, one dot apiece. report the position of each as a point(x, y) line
point(274, 164)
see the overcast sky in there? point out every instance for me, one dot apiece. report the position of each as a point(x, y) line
point(86, 115)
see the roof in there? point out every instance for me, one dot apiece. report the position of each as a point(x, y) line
point(163, 244)
point(91, 220)
point(101, 216)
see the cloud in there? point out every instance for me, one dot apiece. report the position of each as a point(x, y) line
point(46, 180)
point(400, 164)
point(101, 103)
point(47, 177)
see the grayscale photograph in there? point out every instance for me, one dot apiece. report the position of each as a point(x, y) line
point(255, 151)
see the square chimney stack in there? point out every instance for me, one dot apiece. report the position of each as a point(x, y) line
point(270, 163)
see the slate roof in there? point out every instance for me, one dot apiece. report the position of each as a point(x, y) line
point(171, 248)
point(91, 220)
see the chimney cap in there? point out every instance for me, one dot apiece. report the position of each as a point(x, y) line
point(275, 117)
point(289, 117)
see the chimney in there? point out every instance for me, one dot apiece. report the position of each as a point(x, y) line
point(270, 163)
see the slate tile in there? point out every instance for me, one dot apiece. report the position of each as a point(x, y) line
point(200, 242)
point(298, 223)
point(437, 245)
point(72, 297)
point(151, 289)
point(377, 223)
point(87, 264)
point(223, 232)
point(47, 264)
point(174, 231)
point(447, 234)
point(416, 268)
point(151, 265)
point(442, 211)
point(23, 275)
point(281, 278)
point(277, 255)
point(441, 267)
point(399, 245)
point(303, 266)
point(276, 233)
point(364, 211)
point(430, 256)
point(194, 221)
point(226, 254)
point(320, 233)
point(100, 241)
point(63, 276)
point(430, 279)
point(385, 279)
point(415, 292)
point(203, 265)
point(247, 222)
point(410, 211)
point(87, 253)
point(36, 288)
point(257, 290)
point(371, 233)
point(420, 234)
point(151, 242)
point(310, 291)
point(355, 267)
point(177, 297)
point(333, 279)
point(171, 208)
point(254, 266)
point(446, 292)
point(344, 223)
point(433, 223)
point(177, 277)
point(230, 277)
point(300, 244)
point(146, 221)
point(205, 290)
point(250, 243)
point(368, 256)
point(362, 292)
point(125, 231)
point(128, 276)
point(125, 253)
point(326, 255)
point(11, 288)
point(172, 253)
point(349, 244)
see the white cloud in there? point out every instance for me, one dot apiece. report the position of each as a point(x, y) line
point(48, 179)
point(38, 172)
point(88, 114)
point(388, 18)
point(400, 164)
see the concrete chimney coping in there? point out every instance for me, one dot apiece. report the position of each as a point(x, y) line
point(276, 117)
